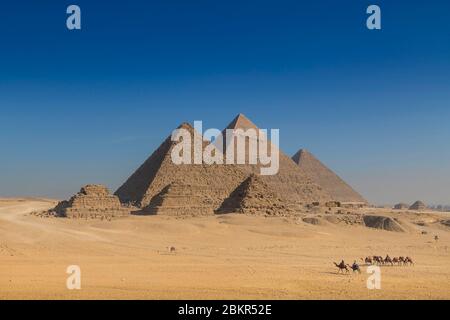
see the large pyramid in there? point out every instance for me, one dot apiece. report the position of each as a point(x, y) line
point(156, 183)
point(241, 122)
point(326, 178)
point(291, 183)
point(158, 177)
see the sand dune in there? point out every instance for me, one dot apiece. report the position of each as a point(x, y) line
point(217, 257)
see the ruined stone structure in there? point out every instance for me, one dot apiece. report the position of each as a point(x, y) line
point(401, 206)
point(93, 201)
point(352, 204)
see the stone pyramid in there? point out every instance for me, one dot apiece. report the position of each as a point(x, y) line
point(158, 178)
point(254, 196)
point(93, 201)
point(241, 122)
point(157, 182)
point(401, 206)
point(291, 183)
point(327, 179)
point(181, 198)
point(418, 205)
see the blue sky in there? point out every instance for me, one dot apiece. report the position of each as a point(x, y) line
point(90, 106)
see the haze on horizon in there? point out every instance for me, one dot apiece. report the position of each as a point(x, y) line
point(90, 106)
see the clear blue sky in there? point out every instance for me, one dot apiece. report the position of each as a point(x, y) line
point(90, 106)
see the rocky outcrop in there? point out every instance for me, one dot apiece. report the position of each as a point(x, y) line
point(383, 223)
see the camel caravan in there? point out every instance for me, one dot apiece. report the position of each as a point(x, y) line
point(378, 260)
point(374, 260)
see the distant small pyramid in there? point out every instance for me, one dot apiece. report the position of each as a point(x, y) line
point(253, 196)
point(418, 205)
point(401, 206)
point(326, 178)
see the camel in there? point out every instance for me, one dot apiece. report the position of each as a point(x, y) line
point(354, 267)
point(408, 260)
point(378, 260)
point(388, 260)
point(367, 260)
point(396, 260)
point(171, 249)
point(341, 266)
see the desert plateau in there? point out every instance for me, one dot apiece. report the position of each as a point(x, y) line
point(229, 256)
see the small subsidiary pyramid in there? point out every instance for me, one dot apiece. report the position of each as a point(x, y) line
point(254, 196)
point(181, 198)
point(93, 201)
point(401, 206)
point(326, 178)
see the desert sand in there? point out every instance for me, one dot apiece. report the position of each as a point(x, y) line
point(230, 256)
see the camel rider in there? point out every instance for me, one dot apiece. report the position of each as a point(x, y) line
point(355, 267)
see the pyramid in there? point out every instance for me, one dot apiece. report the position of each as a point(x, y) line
point(158, 178)
point(180, 198)
point(401, 206)
point(158, 181)
point(253, 196)
point(93, 201)
point(327, 179)
point(418, 205)
point(241, 122)
point(292, 185)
